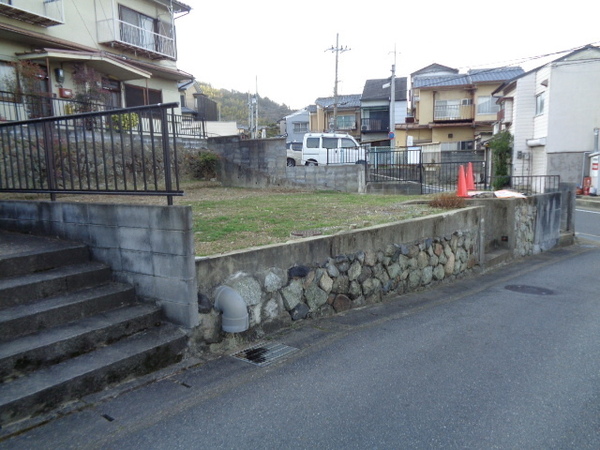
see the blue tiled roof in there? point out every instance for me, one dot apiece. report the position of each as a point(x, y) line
point(344, 101)
point(471, 77)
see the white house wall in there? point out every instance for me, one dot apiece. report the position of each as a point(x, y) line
point(540, 122)
point(571, 129)
point(400, 109)
point(522, 124)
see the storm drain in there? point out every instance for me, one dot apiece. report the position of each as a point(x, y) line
point(264, 354)
point(524, 289)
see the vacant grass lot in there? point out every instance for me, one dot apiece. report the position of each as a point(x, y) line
point(227, 219)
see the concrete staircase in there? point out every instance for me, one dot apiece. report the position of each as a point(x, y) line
point(67, 329)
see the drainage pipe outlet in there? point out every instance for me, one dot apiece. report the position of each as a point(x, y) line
point(232, 305)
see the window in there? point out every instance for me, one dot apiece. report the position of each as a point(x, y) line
point(330, 142)
point(137, 29)
point(7, 73)
point(139, 96)
point(312, 142)
point(348, 143)
point(447, 109)
point(300, 127)
point(540, 103)
point(113, 89)
point(346, 122)
point(487, 105)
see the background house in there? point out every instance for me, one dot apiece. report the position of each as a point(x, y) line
point(348, 115)
point(453, 109)
point(552, 113)
point(294, 126)
point(375, 110)
point(118, 54)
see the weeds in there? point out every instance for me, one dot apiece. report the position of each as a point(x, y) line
point(447, 201)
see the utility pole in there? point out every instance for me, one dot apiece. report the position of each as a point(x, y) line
point(392, 132)
point(337, 49)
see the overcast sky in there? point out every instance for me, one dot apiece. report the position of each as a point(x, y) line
point(279, 49)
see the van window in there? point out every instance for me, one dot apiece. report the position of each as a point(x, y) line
point(348, 143)
point(312, 142)
point(329, 142)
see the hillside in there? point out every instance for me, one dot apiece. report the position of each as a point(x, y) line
point(233, 106)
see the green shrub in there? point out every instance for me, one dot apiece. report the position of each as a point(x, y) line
point(202, 165)
point(125, 122)
point(501, 145)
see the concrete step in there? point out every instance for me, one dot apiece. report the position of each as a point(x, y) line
point(35, 286)
point(22, 254)
point(50, 387)
point(28, 353)
point(51, 312)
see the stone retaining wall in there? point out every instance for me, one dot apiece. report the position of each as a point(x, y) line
point(345, 271)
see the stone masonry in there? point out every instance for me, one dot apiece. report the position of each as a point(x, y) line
point(276, 296)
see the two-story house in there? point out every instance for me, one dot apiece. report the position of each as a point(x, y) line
point(122, 51)
point(346, 112)
point(453, 109)
point(375, 107)
point(552, 113)
point(294, 126)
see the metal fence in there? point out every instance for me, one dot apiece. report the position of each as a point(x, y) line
point(526, 184)
point(428, 170)
point(123, 151)
point(17, 107)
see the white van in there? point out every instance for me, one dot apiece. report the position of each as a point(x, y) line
point(331, 148)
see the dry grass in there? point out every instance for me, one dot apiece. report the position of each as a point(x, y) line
point(227, 219)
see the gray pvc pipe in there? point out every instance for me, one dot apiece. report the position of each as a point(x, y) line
point(232, 305)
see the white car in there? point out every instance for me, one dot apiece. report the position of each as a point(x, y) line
point(294, 153)
point(331, 148)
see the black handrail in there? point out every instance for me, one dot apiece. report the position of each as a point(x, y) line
point(126, 151)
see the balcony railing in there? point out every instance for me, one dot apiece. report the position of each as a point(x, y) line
point(45, 13)
point(124, 35)
point(453, 112)
point(17, 107)
point(374, 125)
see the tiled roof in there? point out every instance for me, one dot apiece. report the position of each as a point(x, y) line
point(374, 89)
point(471, 77)
point(344, 101)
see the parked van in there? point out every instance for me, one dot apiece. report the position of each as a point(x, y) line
point(331, 148)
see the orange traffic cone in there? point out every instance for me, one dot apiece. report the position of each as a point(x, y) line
point(470, 179)
point(462, 184)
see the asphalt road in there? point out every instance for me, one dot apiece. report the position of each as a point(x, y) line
point(587, 223)
point(506, 360)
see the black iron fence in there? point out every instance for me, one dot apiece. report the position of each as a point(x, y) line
point(17, 107)
point(122, 151)
point(429, 170)
point(526, 184)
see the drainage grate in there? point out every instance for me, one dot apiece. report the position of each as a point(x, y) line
point(264, 354)
point(524, 289)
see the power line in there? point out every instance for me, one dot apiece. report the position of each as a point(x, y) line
point(448, 78)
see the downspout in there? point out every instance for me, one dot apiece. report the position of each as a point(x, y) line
point(232, 305)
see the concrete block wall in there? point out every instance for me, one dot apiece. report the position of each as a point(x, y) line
point(261, 163)
point(150, 247)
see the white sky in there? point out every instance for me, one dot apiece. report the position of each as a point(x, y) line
point(280, 47)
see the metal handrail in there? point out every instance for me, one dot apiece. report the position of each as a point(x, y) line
point(126, 151)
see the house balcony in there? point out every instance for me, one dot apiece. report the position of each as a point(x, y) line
point(374, 125)
point(453, 113)
point(44, 13)
point(131, 38)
